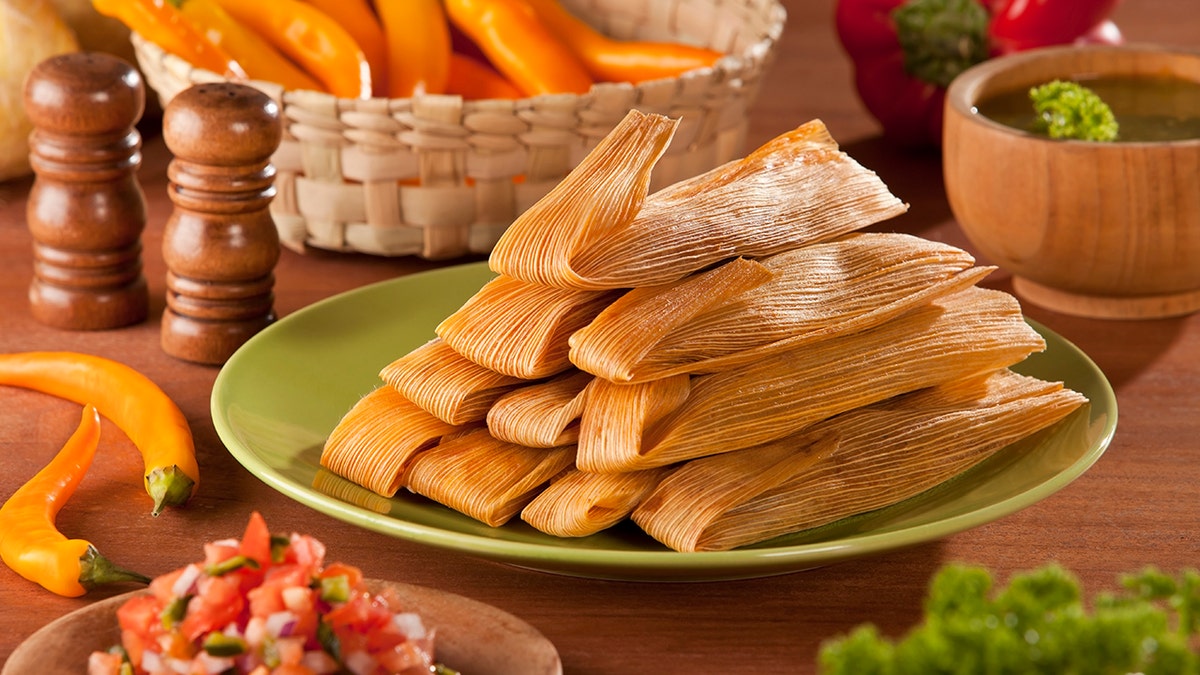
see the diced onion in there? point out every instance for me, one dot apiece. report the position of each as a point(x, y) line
point(319, 662)
point(410, 624)
point(360, 663)
point(186, 583)
point(281, 624)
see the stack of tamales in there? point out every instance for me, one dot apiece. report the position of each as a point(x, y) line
point(724, 361)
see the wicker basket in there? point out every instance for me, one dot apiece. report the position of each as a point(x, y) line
point(439, 177)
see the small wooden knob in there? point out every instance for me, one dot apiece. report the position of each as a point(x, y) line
point(86, 210)
point(220, 243)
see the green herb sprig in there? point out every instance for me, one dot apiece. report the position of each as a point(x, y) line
point(1038, 624)
point(1069, 110)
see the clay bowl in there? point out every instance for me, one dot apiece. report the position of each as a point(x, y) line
point(1105, 230)
point(471, 636)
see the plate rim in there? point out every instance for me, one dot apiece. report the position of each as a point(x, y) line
point(636, 564)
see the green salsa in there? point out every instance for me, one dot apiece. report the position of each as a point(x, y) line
point(1147, 108)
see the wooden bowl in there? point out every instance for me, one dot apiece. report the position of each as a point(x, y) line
point(1106, 230)
point(471, 636)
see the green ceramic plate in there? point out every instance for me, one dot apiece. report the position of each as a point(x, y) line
point(278, 397)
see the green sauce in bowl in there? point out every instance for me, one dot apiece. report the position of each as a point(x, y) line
point(1149, 109)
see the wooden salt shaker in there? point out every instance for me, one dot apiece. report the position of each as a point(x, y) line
point(86, 210)
point(220, 243)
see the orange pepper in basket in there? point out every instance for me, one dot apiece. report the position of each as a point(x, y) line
point(310, 38)
point(520, 46)
point(418, 42)
point(259, 58)
point(475, 80)
point(612, 60)
point(163, 25)
point(357, 17)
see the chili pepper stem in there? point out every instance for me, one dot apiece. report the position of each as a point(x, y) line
point(168, 486)
point(96, 570)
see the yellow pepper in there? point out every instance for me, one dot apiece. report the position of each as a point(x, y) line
point(163, 25)
point(418, 41)
point(131, 400)
point(612, 60)
point(520, 46)
point(310, 38)
point(260, 60)
point(31, 544)
point(357, 17)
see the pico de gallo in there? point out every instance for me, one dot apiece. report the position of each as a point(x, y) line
point(266, 605)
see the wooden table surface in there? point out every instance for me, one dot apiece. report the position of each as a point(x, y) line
point(1139, 505)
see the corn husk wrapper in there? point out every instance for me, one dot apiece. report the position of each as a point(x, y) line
point(521, 329)
point(446, 384)
point(972, 331)
point(603, 193)
point(728, 316)
point(859, 461)
point(616, 417)
point(541, 415)
point(577, 503)
point(795, 190)
point(376, 440)
point(485, 478)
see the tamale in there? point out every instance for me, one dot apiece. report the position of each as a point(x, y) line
point(796, 189)
point(374, 442)
point(873, 457)
point(446, 384)
point(723, 317)
point(521, 329)
point(975, 330)
point(541, 415)
point(485, 478)
point(604, 192)
point(615, 419)
point(577, 503)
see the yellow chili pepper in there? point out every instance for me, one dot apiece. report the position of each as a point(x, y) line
point(260, 60)
point(31, 544)
point(162, 24)
point(310, 38)
point(131, 400)
point(418, 42)
point(520, 46)
point(357, 17)
point(612, 60)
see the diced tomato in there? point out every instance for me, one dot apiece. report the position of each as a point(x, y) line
point(354, 576)
point(140, 614)
point(219, 551)
point(306, 550)
point(162, 586)
point(267, 598)
point(403, 657)
point(256, 541)
point(218, 603)
point(293, 669)
point(103, 663)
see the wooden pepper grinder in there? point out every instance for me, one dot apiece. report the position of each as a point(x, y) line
point(220, 243)
point(86, 210)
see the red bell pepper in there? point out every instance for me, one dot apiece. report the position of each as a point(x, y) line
point(1018, 25)
point(906, 52)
